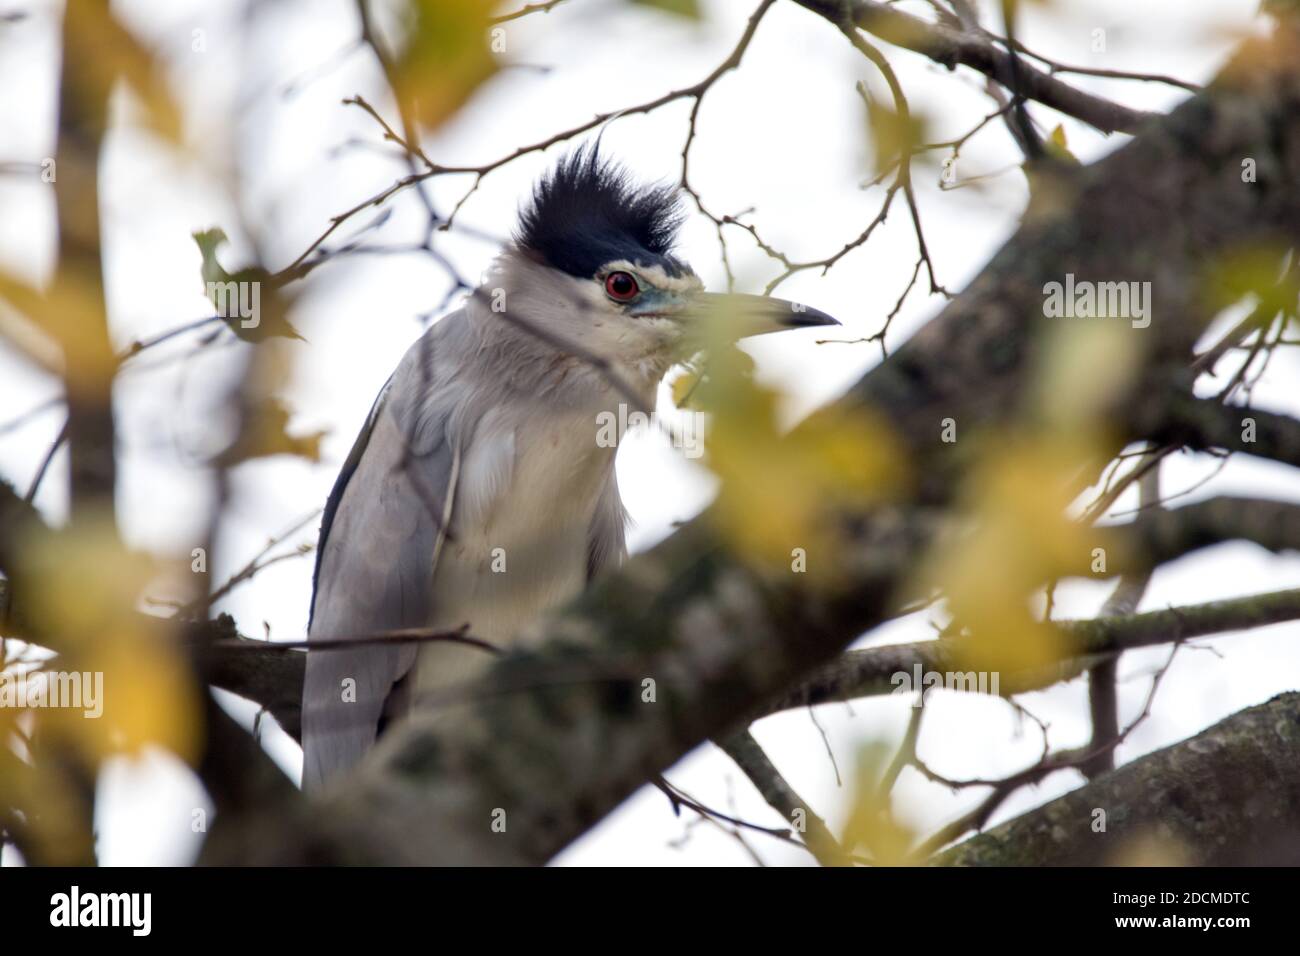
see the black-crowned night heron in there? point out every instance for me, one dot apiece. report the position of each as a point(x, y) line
point(477, 492)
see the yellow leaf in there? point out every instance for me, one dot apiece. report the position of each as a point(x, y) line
point(446, 57)
point(690, 9)
point(1087, 368)
point(104, 51)
point(54, 812)
point(784, 492)
point(114, 661)
point(872, 825)
point(1254, 270)
point(71, 313)
point(893, 136)
point(1057, 146)
point(783, 497)
point(148, 698)
point(252, 303)
point(1021, 537)
point(684, 387)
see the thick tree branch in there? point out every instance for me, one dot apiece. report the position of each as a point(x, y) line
point(1160, 536)
point(952, 48)
point(871, 672)
point(259, 671)
point(1229, 795)
point(238, 774)
point(1206, 423)
point(272, 676)
point(82, 332)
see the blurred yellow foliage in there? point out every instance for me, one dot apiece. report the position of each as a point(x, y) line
point(872, 825)
point(1150, 848)
point(690, 9)
point(893, 135)
point(1086, 368)
point(104, 51)
point(70, 311)
point(780, 492)
point(683, 388)
point(53, 808)
point(1018, 535)
point(447, 55)
point(1255, 271)
point(86, 599)
point(694, 387)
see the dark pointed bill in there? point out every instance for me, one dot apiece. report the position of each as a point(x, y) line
point(755, 314)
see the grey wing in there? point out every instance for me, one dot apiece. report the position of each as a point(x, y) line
point(606, 539)
point(380, 536)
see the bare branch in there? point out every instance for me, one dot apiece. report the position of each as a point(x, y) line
point(781, 797)
point(871, 672)
point(545, 6)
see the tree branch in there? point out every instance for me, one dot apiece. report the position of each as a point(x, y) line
point(1160, 536)
point(260, 671)
point(1229, 795)
point(1206, 423)
point(781, 797)
point(871, 672)
point(1103, 680)
point(953, 48)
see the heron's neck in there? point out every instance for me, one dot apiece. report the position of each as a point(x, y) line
point(528, 362)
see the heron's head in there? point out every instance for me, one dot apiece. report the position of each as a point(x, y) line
point(593, 262)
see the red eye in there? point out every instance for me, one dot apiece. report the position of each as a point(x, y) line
point(621, 286)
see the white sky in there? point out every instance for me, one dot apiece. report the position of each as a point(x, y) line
point(783, 135)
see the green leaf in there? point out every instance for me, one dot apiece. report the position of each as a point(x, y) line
point(266, 433)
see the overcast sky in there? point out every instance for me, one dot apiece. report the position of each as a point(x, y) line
point(784, 136)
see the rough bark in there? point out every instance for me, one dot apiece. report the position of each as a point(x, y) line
point(257, 670)
point(1230, 795)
